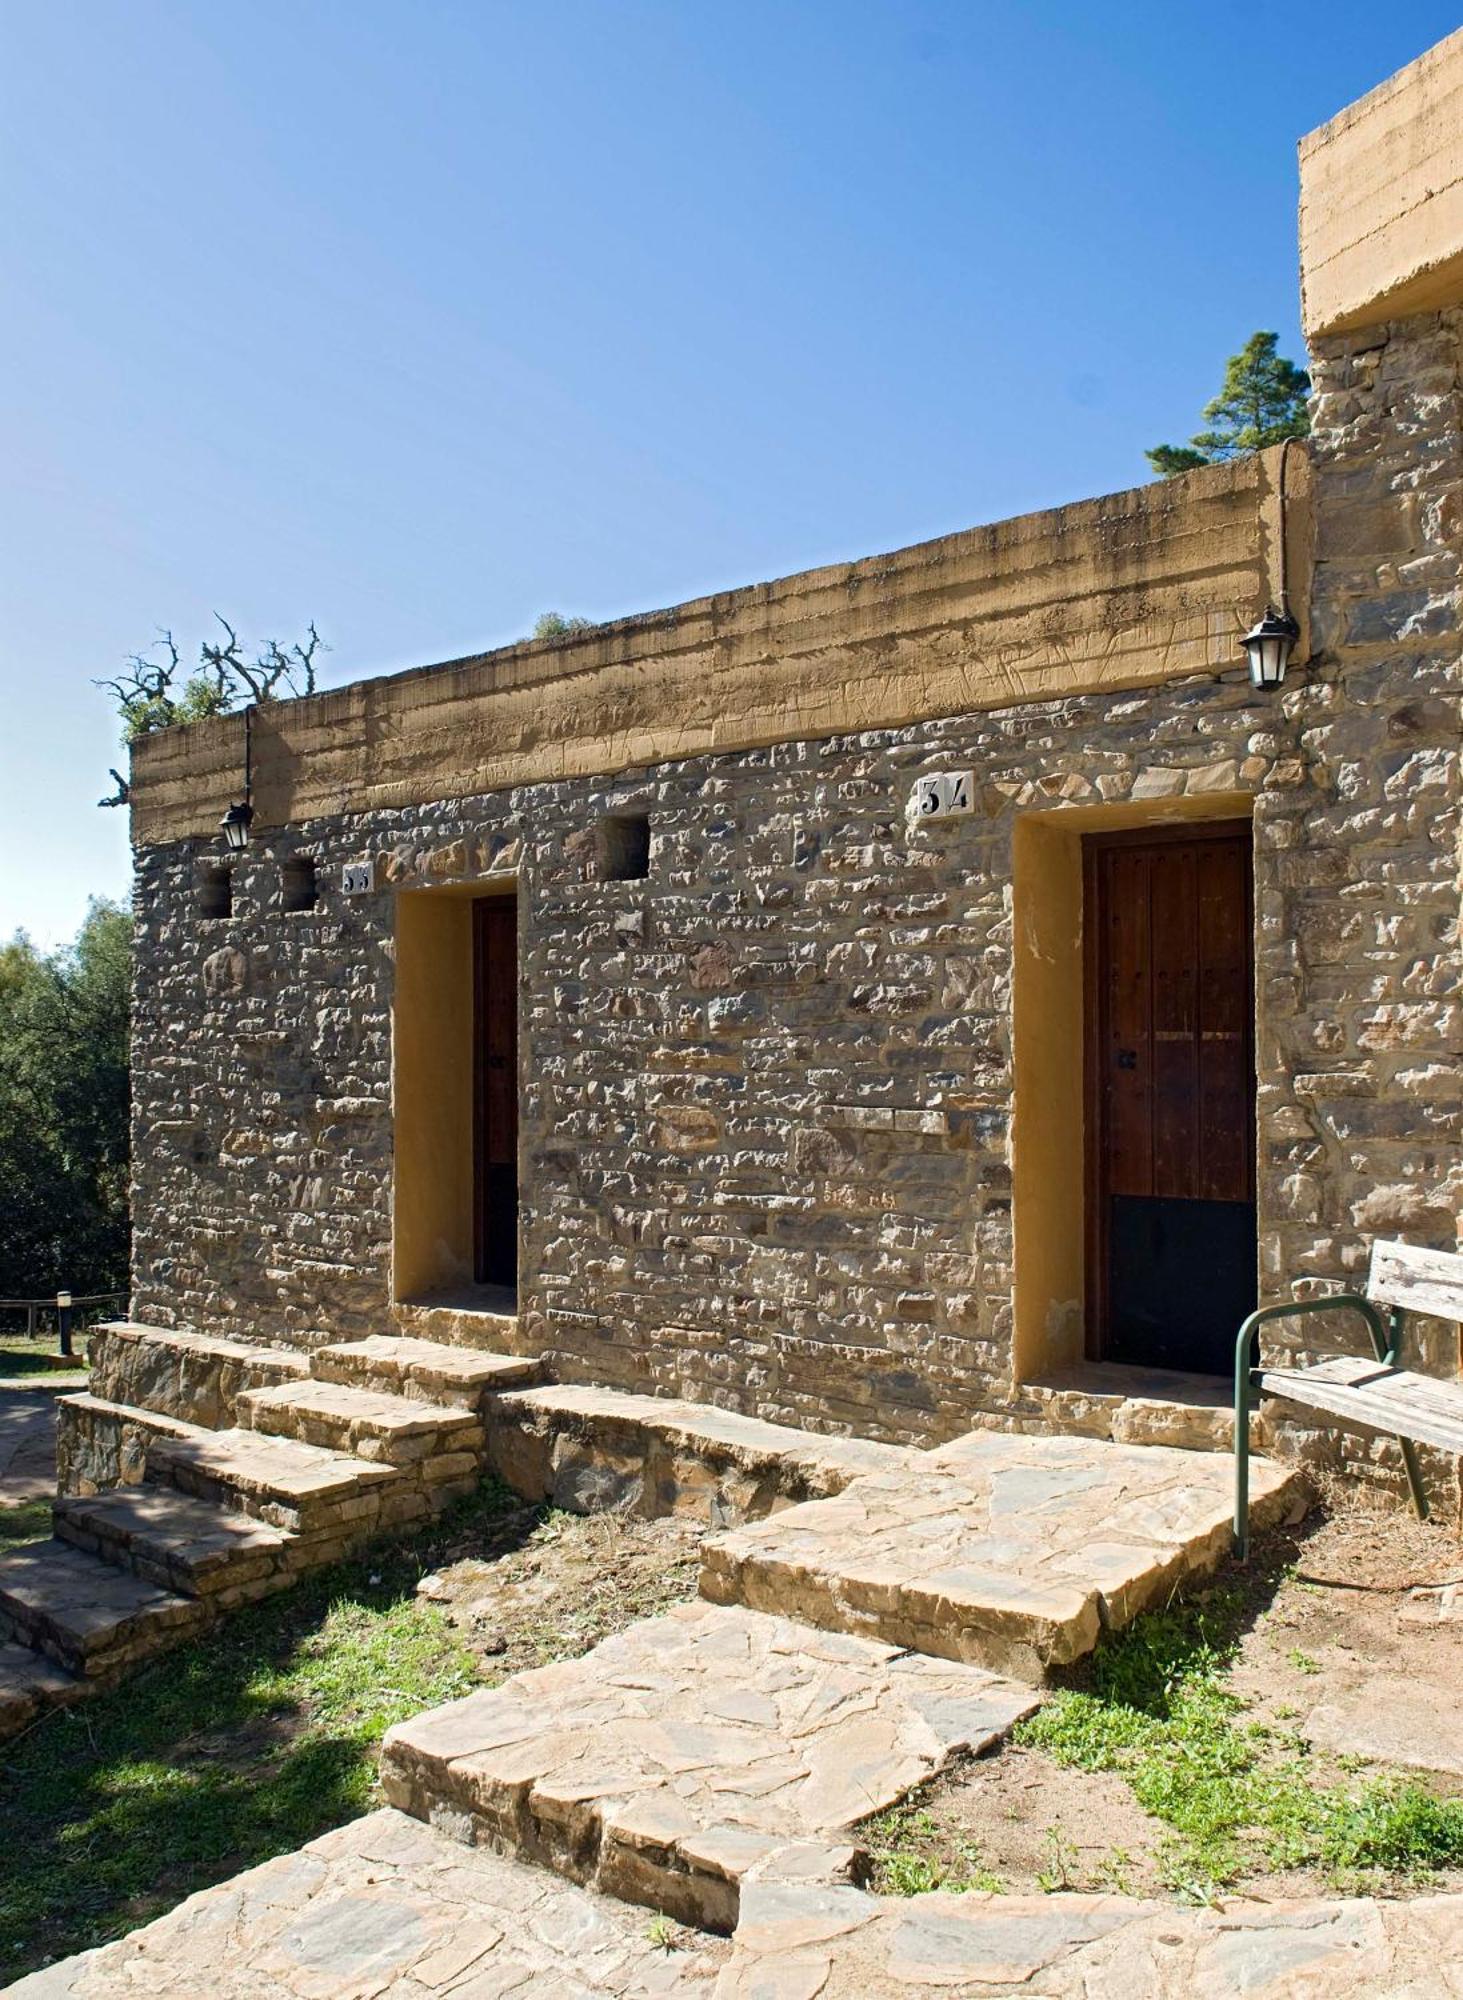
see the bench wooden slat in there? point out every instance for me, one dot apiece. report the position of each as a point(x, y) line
point(1445, 1398)
point(1392, 1400)
point(1419, 1281)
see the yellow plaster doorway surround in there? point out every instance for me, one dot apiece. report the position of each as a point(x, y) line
point(1048, 1126)
point(432, 1087)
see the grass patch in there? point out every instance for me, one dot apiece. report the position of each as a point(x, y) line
point(241, 1746)
point(26, 1521)
point(911, 1855)
point(1236, 1796)
point(22, 1357)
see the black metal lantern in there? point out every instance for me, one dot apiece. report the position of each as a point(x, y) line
point(235, 826)
point(1269, 646)
point(237, 821)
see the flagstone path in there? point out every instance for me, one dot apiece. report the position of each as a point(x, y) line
point(712, 1764)
point(389, 1909)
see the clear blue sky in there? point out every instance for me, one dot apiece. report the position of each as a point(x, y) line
point(419, 317)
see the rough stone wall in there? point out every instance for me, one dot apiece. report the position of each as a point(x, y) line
point(768, 1089)
point(1361, 1101)
point(261, 1064)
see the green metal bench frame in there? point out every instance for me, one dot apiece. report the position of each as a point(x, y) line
point(1386, 1345)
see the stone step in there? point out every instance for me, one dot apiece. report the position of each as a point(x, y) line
point(379, 1428)
point(191, 1546)
point(193, 1376)
point(423, 1371)
point(294, 1486)
point(690, 1749)
point(30, 1683)
point(596, 1450)
point(87, 1616)
point(485, 1319)
point(1012, 1551)
point(1133, 1405)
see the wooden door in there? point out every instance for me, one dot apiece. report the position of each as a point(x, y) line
point(495, 1089)
point(1170, 1096)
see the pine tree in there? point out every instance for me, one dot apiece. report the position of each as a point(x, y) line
point(1262, 402)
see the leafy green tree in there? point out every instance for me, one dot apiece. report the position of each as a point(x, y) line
point(64, 1110)
point(1262, 402)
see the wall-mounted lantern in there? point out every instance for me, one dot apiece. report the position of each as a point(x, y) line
point(237, 821)
point(1269, 646)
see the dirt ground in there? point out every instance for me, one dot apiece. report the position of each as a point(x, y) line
point(521, 1603)
point(1336, 1651)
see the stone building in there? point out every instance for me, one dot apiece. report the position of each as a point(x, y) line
point(615, 998)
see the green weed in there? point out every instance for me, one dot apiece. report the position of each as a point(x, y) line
point(1233, 1794)
point(912, 1855)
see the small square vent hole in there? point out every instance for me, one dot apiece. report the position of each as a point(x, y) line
point(216, 892)
point(297, 884)
point(624, 847)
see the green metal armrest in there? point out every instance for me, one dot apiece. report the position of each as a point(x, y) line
point(1386, 1342)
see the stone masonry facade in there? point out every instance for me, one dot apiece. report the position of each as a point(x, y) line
point(767, 1091)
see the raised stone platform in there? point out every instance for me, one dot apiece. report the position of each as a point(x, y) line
point(1011, 1551)
point(692, 1749)
point(604, 1450)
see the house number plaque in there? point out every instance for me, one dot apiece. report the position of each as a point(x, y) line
point(944, 794)
point(358, 878)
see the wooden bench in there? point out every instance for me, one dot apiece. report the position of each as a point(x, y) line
point(1375, 1394)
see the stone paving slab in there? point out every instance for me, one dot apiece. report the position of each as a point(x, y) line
point(1011, 1551)
point(1133, 1405)
point(370, 1423)
point(387, 1907)
point(594, 1450)
point(426, 1370)
point(796, 1942)
point(690, 1749)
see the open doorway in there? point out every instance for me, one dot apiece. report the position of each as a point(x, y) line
point(455, 1098)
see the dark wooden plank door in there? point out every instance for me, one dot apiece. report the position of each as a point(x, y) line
point(1170, 1097)
point(495, 1089)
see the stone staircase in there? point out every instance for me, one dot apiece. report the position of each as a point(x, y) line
point(197, 1474)
point(868, 1611)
